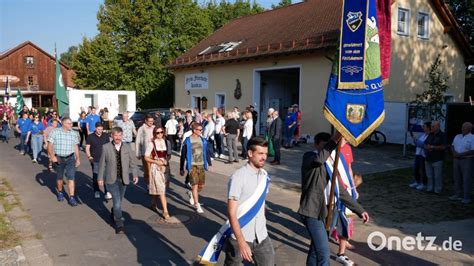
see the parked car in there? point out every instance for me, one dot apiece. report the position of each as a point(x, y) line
point(138, 117)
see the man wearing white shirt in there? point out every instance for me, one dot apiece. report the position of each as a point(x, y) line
point(219, 136)
point(463, 155)
point(171, 130)
point(247, 132)
point(208, 133)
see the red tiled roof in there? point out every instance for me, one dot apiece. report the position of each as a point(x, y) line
point(306, 26)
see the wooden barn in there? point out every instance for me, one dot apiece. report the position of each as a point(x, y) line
point(35, 70)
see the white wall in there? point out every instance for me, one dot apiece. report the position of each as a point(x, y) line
point(27, 100)
point(102, 98)
point(394, 125)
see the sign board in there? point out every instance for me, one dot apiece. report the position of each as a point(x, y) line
point(196, 81)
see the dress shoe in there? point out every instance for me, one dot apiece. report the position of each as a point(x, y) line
point(120, 230)
point(275, 163)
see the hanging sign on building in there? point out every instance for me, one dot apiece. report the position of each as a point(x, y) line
point(196, 81)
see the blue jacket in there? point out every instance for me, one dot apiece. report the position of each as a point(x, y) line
point(186, 154)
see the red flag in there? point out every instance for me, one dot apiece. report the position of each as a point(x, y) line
point(385, 31)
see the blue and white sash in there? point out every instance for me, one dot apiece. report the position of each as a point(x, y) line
point(246, 211)
point(343, 172)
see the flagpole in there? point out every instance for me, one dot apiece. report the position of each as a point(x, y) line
point(333, 185)
point(55, 90)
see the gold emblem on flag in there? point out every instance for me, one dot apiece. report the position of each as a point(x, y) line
point(355, 113)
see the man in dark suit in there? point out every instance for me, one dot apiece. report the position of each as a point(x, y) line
point(275, 134)
point(254, 119)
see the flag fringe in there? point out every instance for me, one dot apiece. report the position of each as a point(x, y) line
point(347, 135)
point(351, 85)
point(204, 262)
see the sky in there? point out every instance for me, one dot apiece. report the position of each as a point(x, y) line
point(50, 22)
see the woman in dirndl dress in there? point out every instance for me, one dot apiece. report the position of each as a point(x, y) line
point(157, 155)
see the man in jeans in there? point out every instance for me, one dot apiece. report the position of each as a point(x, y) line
point(116, 164)
point(231, 131)
point(251, 242)
point(463, 154)
point(63, 151)
point(435, 146)
point(94, 144)
point(313, 209)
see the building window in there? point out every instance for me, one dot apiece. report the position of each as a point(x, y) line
point(220, 100)
point(223, 47)
point(47, 101)
point(30, 81)
point(29, 61)
point(403, 25)
point(35, 101)
point(423, 20)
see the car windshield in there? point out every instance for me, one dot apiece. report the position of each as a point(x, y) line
point(138, 116)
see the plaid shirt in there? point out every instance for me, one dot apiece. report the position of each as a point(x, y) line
point(63, 141)
point(127, 128)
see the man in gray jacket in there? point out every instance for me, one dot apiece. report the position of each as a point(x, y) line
point(313, 209)
point(116, 164)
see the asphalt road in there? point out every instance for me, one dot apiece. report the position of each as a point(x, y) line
point(83, 235)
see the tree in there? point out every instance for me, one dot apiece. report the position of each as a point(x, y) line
point(97, 64)
point(433, 97)
point(282, 3)
point(136, 40)
point(463, 11)
point(226, 11)
point(67, 57)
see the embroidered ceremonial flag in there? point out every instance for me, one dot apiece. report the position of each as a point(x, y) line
point(245, 213)
point(352, 45)
point(355, 112)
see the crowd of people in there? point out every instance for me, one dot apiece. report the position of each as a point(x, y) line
point(112, 147)
point(431, 148)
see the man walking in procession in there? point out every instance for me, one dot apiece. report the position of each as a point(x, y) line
point(313, 209)
point(63, 151)
point(195, 153)
point(116, 164)
point(94, 145)
point(249, 242)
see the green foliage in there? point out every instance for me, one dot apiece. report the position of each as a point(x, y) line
point(67, 57)
point(225, 11)
point(282, 3)
point(433, 97)
point(137, 39)
point(463, 11)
